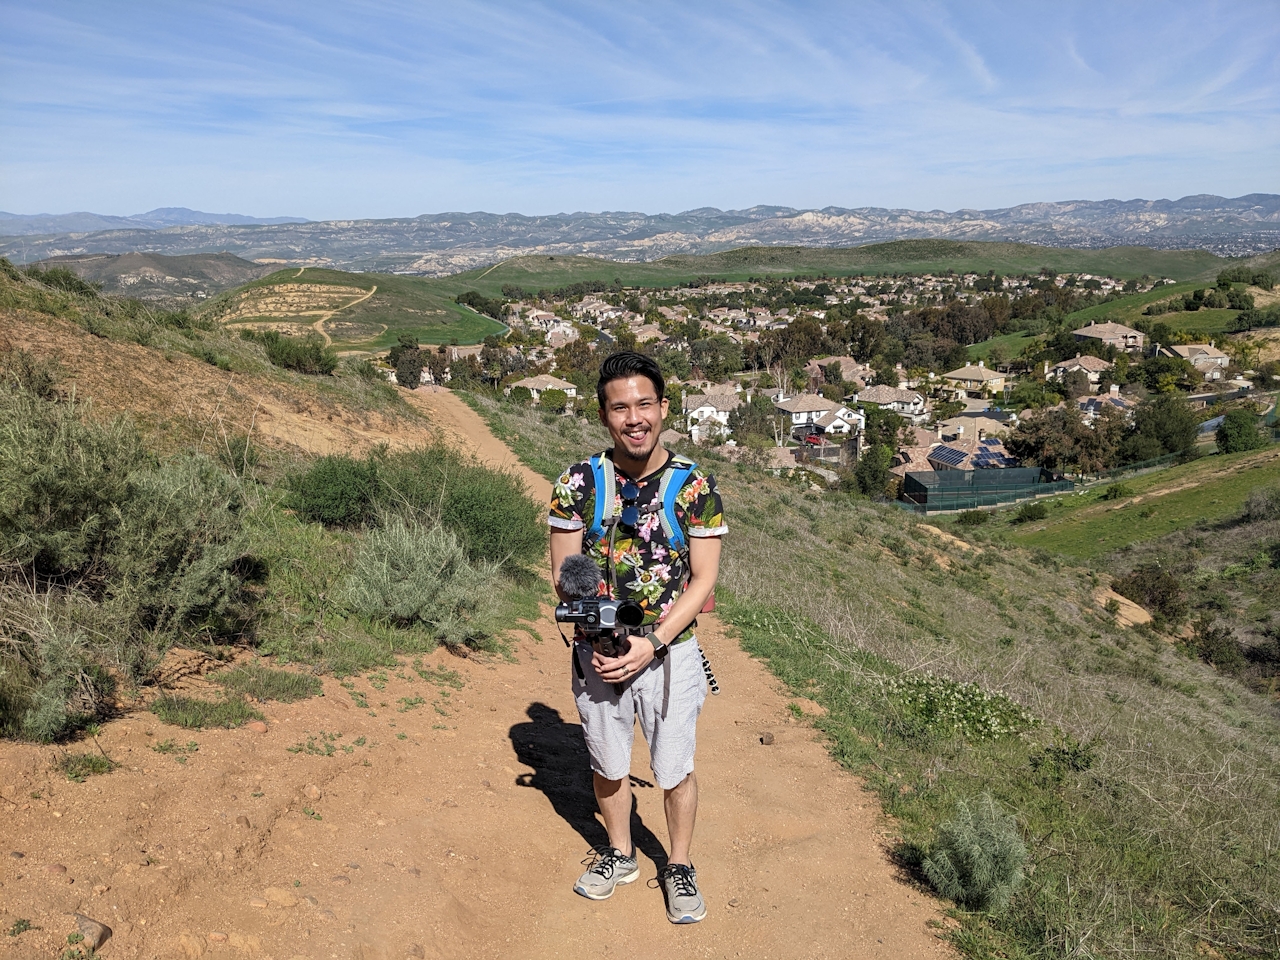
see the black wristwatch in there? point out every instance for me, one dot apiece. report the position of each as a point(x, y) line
point(660, 649)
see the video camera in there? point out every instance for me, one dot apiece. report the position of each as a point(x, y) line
point(602, 621)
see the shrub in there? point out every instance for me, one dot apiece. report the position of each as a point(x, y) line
point(336, 491)
point(1117, 491)
point(307, 354)
point(407, 574)
point(936, 705)
point(1262, 505)
point(1239, 432)
point(409, 369)
point(60, 278)
point(29, 374)
point(193, 714)
point(978, 857)
point(239, 455)
point(1031, 512)
point(79, 766)
point(489, 510)
point(1157, 588)
point(50, 681)
point(1217, 646)
point(521, 395)
point(553, 400)
point(263, 683)
point(973, 518)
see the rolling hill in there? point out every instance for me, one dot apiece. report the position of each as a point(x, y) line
point(151, 276)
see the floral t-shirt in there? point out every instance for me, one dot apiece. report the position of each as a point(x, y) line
point(645, 568)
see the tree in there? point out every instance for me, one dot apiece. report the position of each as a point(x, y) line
point(755, 418)
point(1239, 432)
point(833, 373)
point(884, 427)
point(409, 368)
point(1050, 439)
point(521, 395)
point(717, 357)
point(1163, 424)
point(403, 342)
point(1075, 384)
point(872, 473)
point(553, 400)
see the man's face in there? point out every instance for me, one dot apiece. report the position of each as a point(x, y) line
point(633, 414)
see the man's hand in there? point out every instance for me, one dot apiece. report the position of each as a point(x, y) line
point(623, 668)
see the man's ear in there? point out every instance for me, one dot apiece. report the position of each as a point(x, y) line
point(601, 414)
point(666, 406)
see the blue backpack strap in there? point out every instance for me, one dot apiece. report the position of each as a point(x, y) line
point(602, 475)
point(672, 483)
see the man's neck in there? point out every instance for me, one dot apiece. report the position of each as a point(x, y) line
point(639, 469)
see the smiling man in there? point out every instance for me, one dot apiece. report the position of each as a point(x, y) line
point(657, 542)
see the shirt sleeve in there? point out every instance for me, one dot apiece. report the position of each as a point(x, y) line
point(703, 510)
point(572, 498)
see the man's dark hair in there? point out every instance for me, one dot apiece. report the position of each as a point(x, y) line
point(628, 363)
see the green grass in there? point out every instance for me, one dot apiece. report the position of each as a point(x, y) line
point(1128, 310)
point(193, 714)
point(1086, 526)
point(263, 683)
point(78, 766)
point(1012, 343)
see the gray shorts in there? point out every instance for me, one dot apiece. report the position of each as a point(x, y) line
point(608, 718)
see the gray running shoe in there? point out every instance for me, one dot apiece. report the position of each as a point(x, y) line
point(680, 885)
point(608, 868)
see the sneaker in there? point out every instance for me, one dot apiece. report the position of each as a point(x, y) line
point(680, 884)
point(608, 868)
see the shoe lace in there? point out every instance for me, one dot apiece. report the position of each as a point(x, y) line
point(681, 878)
point(603, 861)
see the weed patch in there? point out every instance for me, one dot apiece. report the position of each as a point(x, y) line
point(79, 766)
point(263, 683)
point(193, 714)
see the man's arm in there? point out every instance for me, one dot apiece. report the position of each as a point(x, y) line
point(704, 568)
point(564, 543)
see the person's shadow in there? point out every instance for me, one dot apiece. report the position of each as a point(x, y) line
point(562, 771)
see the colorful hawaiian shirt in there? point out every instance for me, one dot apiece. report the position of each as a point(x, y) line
point(645, 568)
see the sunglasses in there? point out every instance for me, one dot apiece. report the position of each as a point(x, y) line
point(630, 512)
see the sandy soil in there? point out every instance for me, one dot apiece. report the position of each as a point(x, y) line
point(447, 823)
point(181, 395)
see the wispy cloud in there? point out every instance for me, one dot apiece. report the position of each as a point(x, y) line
point(342, 110)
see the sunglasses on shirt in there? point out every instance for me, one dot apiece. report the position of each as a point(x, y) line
point(630, 516)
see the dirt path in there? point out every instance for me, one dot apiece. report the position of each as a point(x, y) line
point(407, 818)
point(318, 326)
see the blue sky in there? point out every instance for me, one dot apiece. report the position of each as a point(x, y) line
point(343, 110)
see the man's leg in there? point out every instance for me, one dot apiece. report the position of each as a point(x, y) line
point(681, 805)
point(614, 798)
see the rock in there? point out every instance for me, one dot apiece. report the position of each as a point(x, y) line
point(280, 896)
point(341, 880)
point(413, 871)
point(217, 936)
point(242, 821)
point(56, 869)
point(353, 865)
point(95, 933)
point(415, 950)
point(767, 739)
point(450, 803)
point(17, 855)
point(311, 900)
point(256, 726)
point(733, 902)
point(192, 946)
point(100, 889)
point(245, 942)
point(311, 792)
point(258, 902)
point(327, 915)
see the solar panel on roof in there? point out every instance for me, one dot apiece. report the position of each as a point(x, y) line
point(990, 442)
point(948, 455)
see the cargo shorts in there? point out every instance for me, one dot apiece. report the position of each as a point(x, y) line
point(609, 718)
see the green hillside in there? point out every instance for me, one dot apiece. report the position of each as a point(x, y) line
point(899, 256)
point(398, 305)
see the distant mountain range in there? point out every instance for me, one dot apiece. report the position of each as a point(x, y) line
point(23, 225)
point(436, 244)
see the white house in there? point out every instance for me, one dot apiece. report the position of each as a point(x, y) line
point(1093, 367)
point(544, 381)
point(806, 409)
point(905, 403)
point(708, 413)
point(1205, 357)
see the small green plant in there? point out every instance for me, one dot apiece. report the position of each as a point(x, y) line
point(978, 857)
point(311, 813)
point(179, 752)
point(402, 736)
point(440, 676)
point(323, 745)
point(1031, 512)
point(410, 703)
point(972, 518)
point(936, 705)
point(192, 714)
point(78, 766)
point(264, 683)
point(74, 938)
point(1117, 491)
point(20, 926)
point(357, 697)
point(794, 709)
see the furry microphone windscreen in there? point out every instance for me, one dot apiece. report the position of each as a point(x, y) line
point(579, 577)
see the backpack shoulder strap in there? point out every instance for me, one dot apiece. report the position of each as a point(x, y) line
point(602, 475)
point(672, 482)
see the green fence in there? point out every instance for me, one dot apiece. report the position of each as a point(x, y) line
point(945, 491)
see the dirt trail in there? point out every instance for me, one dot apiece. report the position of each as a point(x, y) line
point(318, 326)
point(447, 823)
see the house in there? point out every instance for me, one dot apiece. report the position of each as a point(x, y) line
point(544, 381)
point(974, 381)
point(1211, 362)
point(835, 424)
point(905, 403)
point(540, 319)
point(850, 370)
point(807, 409)
point(1092, 407)
point(708, 413)
point(1092, 367)
point(961, 427)
point(1113, 335)
point(649, 331)
point(971, 453)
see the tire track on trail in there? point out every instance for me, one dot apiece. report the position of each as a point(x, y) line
point(318, 326)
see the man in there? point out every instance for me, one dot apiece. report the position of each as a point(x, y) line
point(659, 680)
